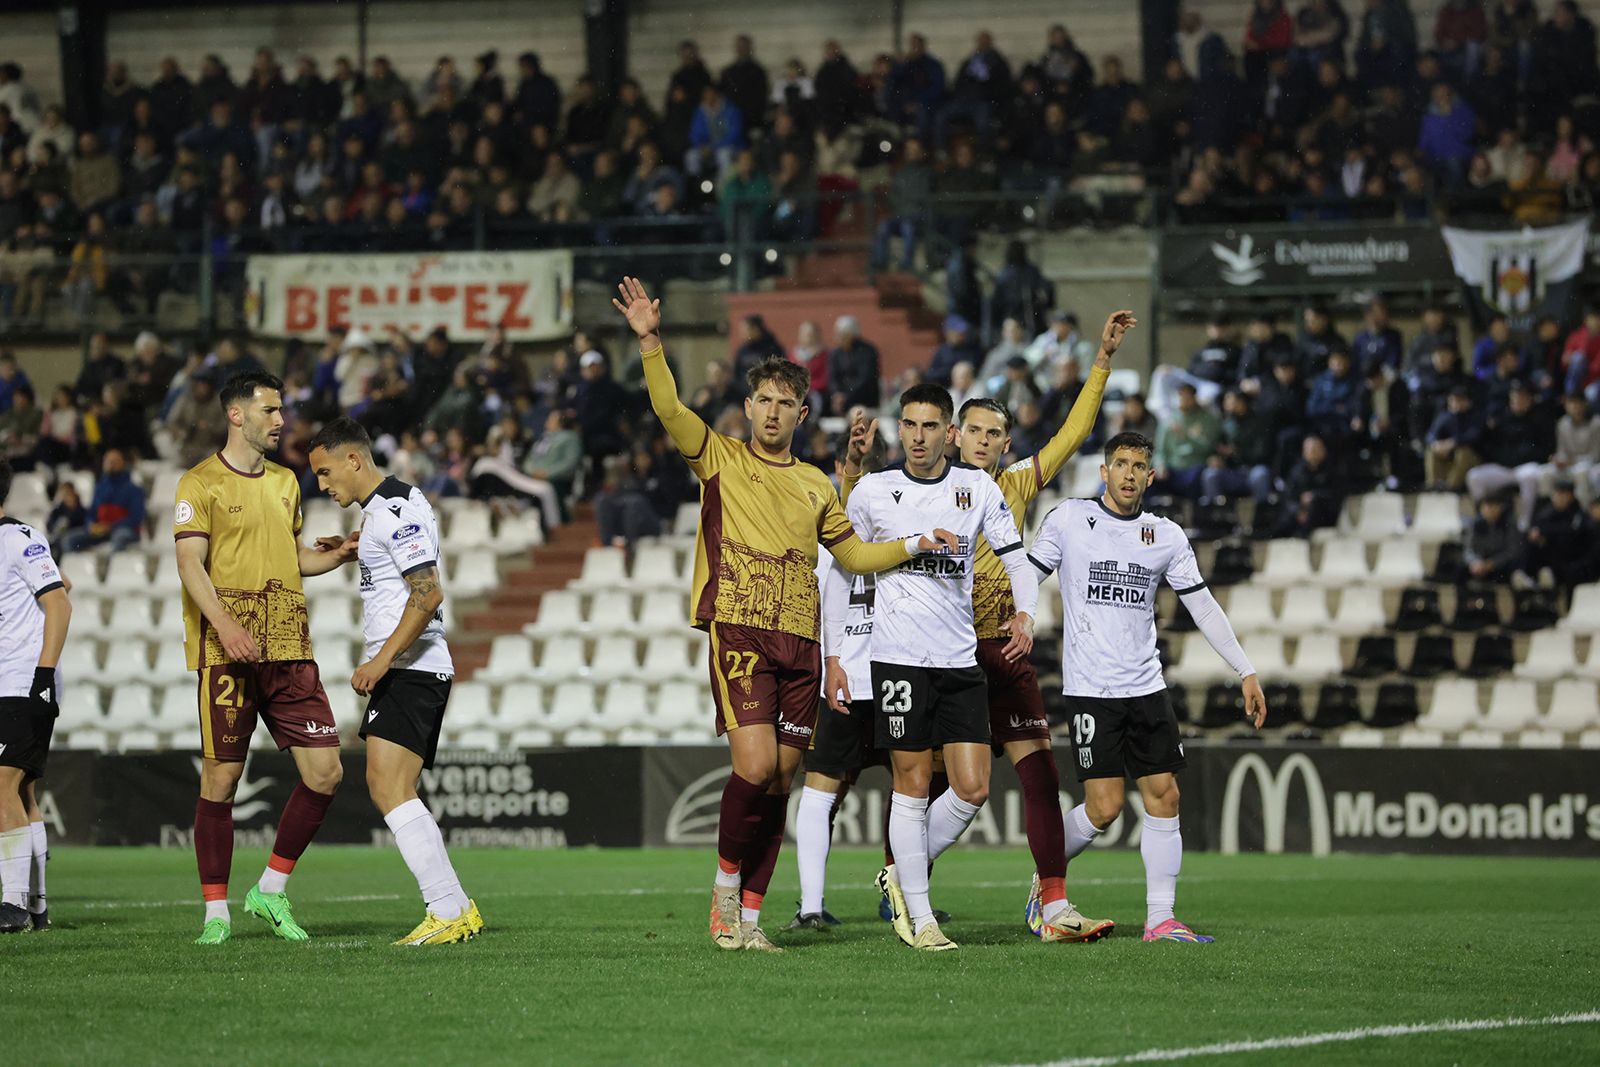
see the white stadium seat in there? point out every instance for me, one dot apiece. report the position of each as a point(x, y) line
point(656, 567)
point(165, 581)
point(1399, 564)
point(1360, 737)
point(518, 533)
point(684, 705)
point(1584, 615)
point(624, 705)
point(336, 660)
point(172, 664)
point(131, 616)
point(1382, 517)
point(471, 704)
point(1250, 609)
point(1344, 563)
point(127, 572)
point(127, 661)
point(1513, 706)
point(1360, 612)
point(611, 611)
point(1552, 654)
point(469, 528)
point(667, 658)
point(1437, 518)
point(510, 659)
point(1454, 707)
point(1266, 656)
point(1316, 658)
point(559, 660)
point(532, 737)
point(473, 575)
point(687, 521)
point(1304, 611)
point(1198, 663)
point(603, 568)
point(80, 662)
point(663, 611)
point(616, 656)
point(1288, 563)
point(82, 569)
point(480, 738)
point(560, 612)
point(1574, 707)
point(133, 707)
point(572, 708)
point(521, 705)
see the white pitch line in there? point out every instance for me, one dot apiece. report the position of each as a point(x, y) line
point(1230, 1048)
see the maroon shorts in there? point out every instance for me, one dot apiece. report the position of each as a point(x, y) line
point(287, 696)
point(1016, 710)
point(765, 677)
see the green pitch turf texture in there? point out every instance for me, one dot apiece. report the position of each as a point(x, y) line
point(602, 957)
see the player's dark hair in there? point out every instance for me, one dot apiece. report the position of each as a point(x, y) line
point(792, 377)
point(341, 431)
point(1130, 439)
point(984, 403)
point(244, 386)
point(5, 480)
point(928, 393)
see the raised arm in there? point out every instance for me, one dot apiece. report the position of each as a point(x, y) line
point(688, 431)
point(1080, 420)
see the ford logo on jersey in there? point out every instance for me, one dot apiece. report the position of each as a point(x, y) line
point(410, 529)
point(34, 550)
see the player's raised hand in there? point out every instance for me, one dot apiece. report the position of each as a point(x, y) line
point(940, 542)
point(1021, 643)
point(1255, 702)
point(863, 432)
point(642, 313)
point(237, 644)
point(837, 685)
point(1118, 323)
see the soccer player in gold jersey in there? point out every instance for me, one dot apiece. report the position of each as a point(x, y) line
point(762, 515)
point(237, 525)
point(1017, 724)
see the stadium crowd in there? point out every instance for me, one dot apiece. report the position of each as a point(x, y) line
point(1315, 114)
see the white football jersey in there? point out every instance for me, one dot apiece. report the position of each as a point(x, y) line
point(847, 602)
point(398, 537)
point(26, 573)
point(1111, 566)
point(923, 607)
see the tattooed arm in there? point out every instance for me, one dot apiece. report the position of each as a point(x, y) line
point(425, 599)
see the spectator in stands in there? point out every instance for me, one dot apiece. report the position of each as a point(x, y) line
point(909, 190)
point(1560, 539)
point(1506, 375)
point(983, 87)
point(745, 198)
point(101, 366)
point(116, 514)
point(1028, 432)
point(1455, 440)
point(964, 383)
point(12, 378)
point(1338, 405)
point(1431, 386)
point(1021, 290)
point(719, 393)
point(1377, 343)
point(1184, 445)
point(545, 475)
point(1314, 490)
point(916, 87)
point(1263, 343)
point(1486, 350)
point(959, 346)
point(715, 135)
point(1582, 359)
point(744, 82)
point(1492, 548)
point(1281, 404)
point(121, 422)
point(598, 404)
point(1243, 458)
point(623, 508)
point(756, 347)
point(1135, 417)
point(1577, 451)
point(538, 98)
point(1017, 388)
point(554, 197)
point(53, 131)
point(1562, 65)
point(87, 275)
point(95, 179)
point(1516, 446)
point(1013, 342)
point(1437, 331)
point(1057, 401)
point(1318, 337)
point(149, 373)
point(854, 367)
point(1218, 360)
point(66, 513)
point(810, 353)
point(196, 423)
point(21, 424)
point(17, 96)
point(1268, 35)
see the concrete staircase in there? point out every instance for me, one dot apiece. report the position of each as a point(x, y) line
point(523, 584)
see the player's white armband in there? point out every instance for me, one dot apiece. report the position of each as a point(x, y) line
point(1210, 620)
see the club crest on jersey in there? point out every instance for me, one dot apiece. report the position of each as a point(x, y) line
point(963, 499)
point(1147, 534)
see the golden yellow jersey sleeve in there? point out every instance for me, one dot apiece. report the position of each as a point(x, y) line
point(251, 524)
point(1020, 483)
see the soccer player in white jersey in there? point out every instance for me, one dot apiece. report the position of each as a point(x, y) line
point(34, 614)
point(1112, 557)
point(926, 681)
point(408, 670)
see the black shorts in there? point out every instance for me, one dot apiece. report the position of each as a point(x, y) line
point(1115, 737)
point(843, 744)
point(25, 729)
point(923, 708)
point(407, 708)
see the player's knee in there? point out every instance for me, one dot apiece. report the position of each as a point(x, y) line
point(1163, 804)
point(974, 793)
point(1103, 812)
point(323, 780)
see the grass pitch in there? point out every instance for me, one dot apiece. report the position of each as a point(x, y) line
point(602, 957)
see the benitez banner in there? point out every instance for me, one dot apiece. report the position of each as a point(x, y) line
point(1522, 274)
point(528, 294)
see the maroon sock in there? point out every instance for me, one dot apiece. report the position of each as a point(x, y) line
point(739, 821)
point(755, 874)
point(1041, 813)
point(301, 819)
point(213, 846)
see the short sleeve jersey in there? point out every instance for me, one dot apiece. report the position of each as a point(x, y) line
point(252, 523)
point(756, 551)
point(923, 608)
point(27, 572)
point(1111, 567)
point(399, 536)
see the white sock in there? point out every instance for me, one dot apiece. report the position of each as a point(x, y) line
point(16, 860)
point(1051, 910)
point(272, 881)
point(218, 909)
point(1161, 845)
point(422, 847)
point(948, 819)
point(908, 837)
point(727, 879)
point(749, 915)
point(1080, 831)
point(41, 855)
point(812, 840)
